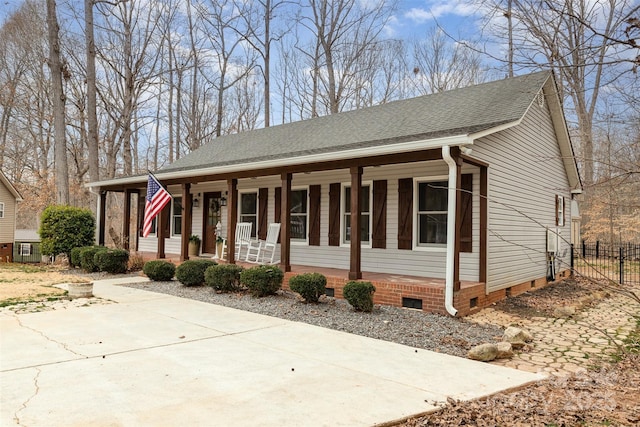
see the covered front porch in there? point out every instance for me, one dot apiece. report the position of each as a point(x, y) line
point(337, 223)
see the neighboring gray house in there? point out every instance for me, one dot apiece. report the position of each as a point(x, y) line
point(27, 246)
point(9, 198)
point(458, 196)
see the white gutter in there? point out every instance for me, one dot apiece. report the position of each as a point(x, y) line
point(404, 147)
point(451, 230)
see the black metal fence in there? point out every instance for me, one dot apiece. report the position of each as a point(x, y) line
point(599, 260)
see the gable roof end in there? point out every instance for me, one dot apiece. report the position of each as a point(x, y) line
point(12, 189)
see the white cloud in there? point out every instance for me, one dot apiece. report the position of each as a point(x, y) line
point(440, 8)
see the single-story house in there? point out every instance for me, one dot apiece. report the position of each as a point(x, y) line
point(27, 246)
point(448, 201)
point(9, 198)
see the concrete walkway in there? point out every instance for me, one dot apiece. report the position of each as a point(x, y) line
point(149, 359)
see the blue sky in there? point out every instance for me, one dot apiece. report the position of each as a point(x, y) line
point(411, 20)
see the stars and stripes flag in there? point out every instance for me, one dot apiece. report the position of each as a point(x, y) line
point(157, 198)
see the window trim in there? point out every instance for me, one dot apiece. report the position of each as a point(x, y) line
point(256, 191)
point(173, 216)
point(343, 242)
point(560, 211)
point(305, 241)
point(417, 246)
point(25, 245)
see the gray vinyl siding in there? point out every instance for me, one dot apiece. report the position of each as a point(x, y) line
point(8, 222)
point(525, 174)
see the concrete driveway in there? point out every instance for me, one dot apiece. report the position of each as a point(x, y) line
point(150, 359)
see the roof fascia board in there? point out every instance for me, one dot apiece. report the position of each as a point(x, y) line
point(562, 133)
point(404, 147)
point(486, 132)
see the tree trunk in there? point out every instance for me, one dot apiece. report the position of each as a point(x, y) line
point(55, 65)
point(92, 117)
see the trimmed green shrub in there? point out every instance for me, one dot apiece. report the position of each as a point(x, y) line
point(191, 273)
point(63, 228)
point(262, 280)
point(74, 259)
point(114, 261)
point(359, 295)
point(159, 271)
point(309, 285)
point(223, 277)
point(87, 258)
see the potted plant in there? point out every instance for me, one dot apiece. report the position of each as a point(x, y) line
point(194, 245)
point(219, 243)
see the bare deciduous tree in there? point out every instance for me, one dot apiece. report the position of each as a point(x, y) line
point(57, 69)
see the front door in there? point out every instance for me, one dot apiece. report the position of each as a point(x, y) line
point(212, 214)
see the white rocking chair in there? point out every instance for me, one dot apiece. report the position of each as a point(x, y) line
point(259, 250)
point(243, 238)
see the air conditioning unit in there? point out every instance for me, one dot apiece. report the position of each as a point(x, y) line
point(552, 240)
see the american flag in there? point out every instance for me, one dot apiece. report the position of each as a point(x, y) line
point(157, 198)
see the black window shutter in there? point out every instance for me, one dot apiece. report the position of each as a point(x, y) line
point(379, 239)
point(466, 210)
point(263, 201)
point(334, 214)
point(314, 215)
point(405, 213)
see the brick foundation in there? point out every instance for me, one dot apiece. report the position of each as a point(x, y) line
point(432, 297)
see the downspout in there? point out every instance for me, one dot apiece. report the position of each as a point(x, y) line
point(451, 230)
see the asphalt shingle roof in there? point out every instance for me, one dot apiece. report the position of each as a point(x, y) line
point(456, 112)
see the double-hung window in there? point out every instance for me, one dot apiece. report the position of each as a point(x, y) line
point(365, 214)
point(25, 249)
point(249, 210)
point(176, 216)
point(431, 212)
point(299, 214)
point(1, 210)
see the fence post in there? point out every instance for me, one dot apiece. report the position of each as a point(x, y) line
point(597, 248)
point(584, 249)
point(621, 265)
point(572, 257)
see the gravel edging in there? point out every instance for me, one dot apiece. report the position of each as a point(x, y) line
point(413, 328)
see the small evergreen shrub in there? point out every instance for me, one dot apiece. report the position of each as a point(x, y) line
point(309, 285)
point(74, 259)
point(159, 271)
point(191, 273)
point(114, 261)
point(223, 277)
point(262, 280)
point(87, 258)
point(359, 295)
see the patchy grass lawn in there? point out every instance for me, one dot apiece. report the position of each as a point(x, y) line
point(24, 282)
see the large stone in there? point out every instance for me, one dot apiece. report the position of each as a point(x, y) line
point(516, 336)
point(564, 312)
point(505, 350)
point(483, 352)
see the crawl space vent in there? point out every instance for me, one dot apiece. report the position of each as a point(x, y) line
point(412, 303)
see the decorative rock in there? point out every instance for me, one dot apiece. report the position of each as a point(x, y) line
point(483, 352)
point(505, 350)
point(563, 312)
point(516, 336)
